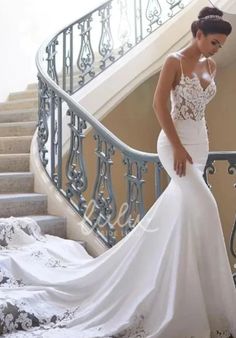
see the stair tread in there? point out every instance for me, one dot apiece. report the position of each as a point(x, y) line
point(16, 137)
point(22, 195)
point(51, 224)
point(14, 162)
point(46, 217)
point(22, 91)
point(17, 173)
point(16, 124)
point(20, 110)
point(19, 100)
point(31, 84)
point(15, 155)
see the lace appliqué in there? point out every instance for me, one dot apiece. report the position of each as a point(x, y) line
point(137, 330)
point(189, 99)
point(42, 256)
point(221, 334)
point(7, 281)
point(18, 315)
point(15, 231)
point(58, 323)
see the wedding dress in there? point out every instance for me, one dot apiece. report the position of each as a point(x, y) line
point(168, 278)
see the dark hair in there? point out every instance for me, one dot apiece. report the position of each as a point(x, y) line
point(211, 25)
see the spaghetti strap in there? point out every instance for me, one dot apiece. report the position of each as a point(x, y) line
point(182, 73)
point(209, 66)
point(181, 66)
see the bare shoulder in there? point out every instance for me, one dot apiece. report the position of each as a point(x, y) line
point(212, 65)
point(172, 58)
point(166, 80)
point(170, 64)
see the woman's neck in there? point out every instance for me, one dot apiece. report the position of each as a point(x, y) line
point(191, 52)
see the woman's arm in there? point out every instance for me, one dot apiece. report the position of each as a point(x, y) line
point(161, 96)
point(160, 101)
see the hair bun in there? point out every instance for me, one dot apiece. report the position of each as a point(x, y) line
point(207, 11)
point(210, 21)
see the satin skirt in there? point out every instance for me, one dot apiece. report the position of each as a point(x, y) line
point(168, 278)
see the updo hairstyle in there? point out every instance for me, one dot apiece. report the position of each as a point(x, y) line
point(210, 21)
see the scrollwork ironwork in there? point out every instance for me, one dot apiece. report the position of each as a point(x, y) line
point(75, 168)
point(124, 30)
point(85, 62)
point(138, 21)
point(43, 112)
point(51, 60)
point(69, 55)
point(232, 168)
point(153, 14)
point(209, 169)
point(104, 206)
point(135, 210)
point(173, 4)
point(68, 71)
point(106, 40)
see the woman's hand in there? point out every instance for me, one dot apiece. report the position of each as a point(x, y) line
point(180, 158)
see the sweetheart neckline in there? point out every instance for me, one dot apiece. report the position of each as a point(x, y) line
point(199, 82)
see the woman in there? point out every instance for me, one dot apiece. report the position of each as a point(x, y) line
point(169, 277)
point(183, 150)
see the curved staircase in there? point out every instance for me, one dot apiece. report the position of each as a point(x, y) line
point(18, 120)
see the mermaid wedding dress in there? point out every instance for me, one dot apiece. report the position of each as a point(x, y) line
point(168, 278)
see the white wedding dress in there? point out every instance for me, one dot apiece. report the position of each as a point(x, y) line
point(168, 278)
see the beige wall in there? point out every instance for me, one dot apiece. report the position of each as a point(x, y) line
point(221, 119)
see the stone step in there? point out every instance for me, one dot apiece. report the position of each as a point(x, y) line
point(32, 86)
point(14, 162)
point(18, 115)
point(15, 144)
point(51, 225)
point(16, 182)
point(26, 94)
point(22, 204)
point(17, 128)
point(19, 104)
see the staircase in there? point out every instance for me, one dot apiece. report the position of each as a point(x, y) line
point(18, 119)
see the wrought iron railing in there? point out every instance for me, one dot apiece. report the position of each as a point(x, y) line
point(65, 64)
point(88, 46)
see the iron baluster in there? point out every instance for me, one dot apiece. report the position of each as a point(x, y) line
point(85, 62)
point(75, 168)
point(104, 207)
point(106, 40)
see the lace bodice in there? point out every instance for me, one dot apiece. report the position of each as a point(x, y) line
point(189, 98)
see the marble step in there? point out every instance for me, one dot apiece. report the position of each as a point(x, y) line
point(51, 225)
point(15, 144)
point(19, 104)
point(17, 128)
point(22, 204)
point(32, 86)
point(18, 115)
point(14, 162)
point(26, 94)
point(16, 182)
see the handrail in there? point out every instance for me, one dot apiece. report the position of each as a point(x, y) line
point(55, 90)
